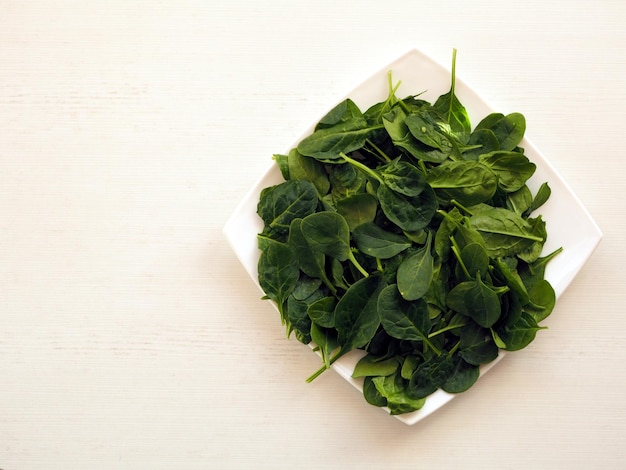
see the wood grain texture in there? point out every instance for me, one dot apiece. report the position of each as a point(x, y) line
point(131, 337)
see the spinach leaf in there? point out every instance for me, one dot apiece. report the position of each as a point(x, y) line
point(278, 274)
point(468, 182)
point(357, 209)
point(504, 232)
point(512, 168)
point(509, 130)
point(476, 346)
point(398, 130)
point(430, 375)
point(481, 141)
point(462, 376)
point(423, 126)
point(298, 320)
point(328, 143)
point(311, 262)
point(520, 201)
point(309, 169)
point(393, 388)
point(542, 299)
point(322, 312)
point(372, 240)
point(542, 196)
point(476, 300)
point(326, 341)
point(280, 204)
point(408, 213)
point(453, 112)
point(403, 178)
point(402, 319)
point(369, 365)
point(328, 233)
point(415, 273)
point(343, 112)
point(356, 313)
point(518, 335)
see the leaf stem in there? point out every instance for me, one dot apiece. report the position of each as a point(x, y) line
point(367, 170)
point(379, 151)
point(446, 328)
point(428, 343)
point(461, 206)
point(457, 253)
point(325, 367)
point(357, 265)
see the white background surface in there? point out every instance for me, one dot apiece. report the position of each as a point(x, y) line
point(130, 336)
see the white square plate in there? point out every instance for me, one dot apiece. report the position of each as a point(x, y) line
point(569, 224)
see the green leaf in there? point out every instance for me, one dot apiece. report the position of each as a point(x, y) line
point(430, 375)
point(312, 262)
point(481, 141)
point(468, 182)
point(402, 319)
point(513, 169)
point(280, 204)
point(476, 300)
point(326, 341)
point(373, 241)
point(357, 209)
point(328, 233)
point(395, 125)
point(462, 376)
point(322, 312)
point(307, 168)
point(371, 366)
point(520, 334)
point(424, 128)
point(356, 313)
point(343, 112)
point(476, 345)
point(452, 111)
point(403, 178)
point(278, 274)
point(542, 299)
point(408, 213)
point(329, 142)
point(504, 232)
point(415, 273)
point(393, 388)
point(542, 196)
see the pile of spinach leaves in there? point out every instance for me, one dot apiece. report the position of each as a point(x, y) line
point(404, 232)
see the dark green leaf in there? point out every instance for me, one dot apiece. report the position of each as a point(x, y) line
point(329, 142)
point(520, 334)
point(408, 213)
point(307, 168)
point(356, 314)
point(278, 273)
point(372, 240)
point(403, 319)
point(415, 273)
point(462, 376)
point(468, 182)
point(357, 209)
point(513, 169)
point(279, 205)
point(476, 300)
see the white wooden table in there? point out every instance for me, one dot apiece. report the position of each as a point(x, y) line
point(130, 335)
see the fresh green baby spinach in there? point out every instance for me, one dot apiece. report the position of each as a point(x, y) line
point(404, 232)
